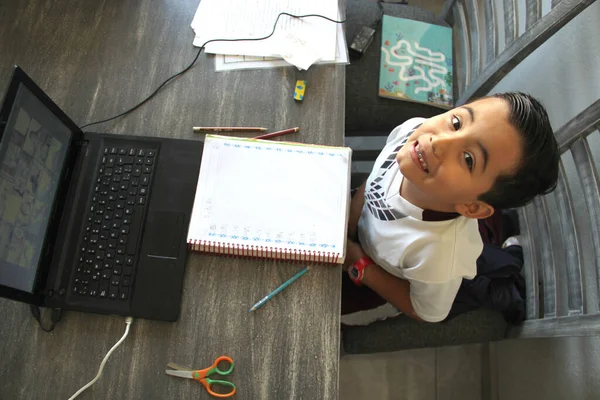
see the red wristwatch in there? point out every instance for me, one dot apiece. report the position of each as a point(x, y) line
point(356, 271)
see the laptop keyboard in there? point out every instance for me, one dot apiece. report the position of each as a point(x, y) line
point(107, 261)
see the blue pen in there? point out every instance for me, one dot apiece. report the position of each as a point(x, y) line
point(279, 289)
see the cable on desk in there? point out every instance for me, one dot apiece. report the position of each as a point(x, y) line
point(198, 54)
point(128, 321)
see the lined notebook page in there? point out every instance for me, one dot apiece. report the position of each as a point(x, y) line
point(286, 196)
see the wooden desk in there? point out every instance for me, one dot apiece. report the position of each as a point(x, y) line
point(96, 59)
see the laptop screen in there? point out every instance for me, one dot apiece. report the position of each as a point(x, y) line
point(32, 153)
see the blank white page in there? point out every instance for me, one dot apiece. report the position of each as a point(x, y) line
point(272, 194)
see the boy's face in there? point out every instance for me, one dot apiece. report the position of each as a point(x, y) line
point(453, 158)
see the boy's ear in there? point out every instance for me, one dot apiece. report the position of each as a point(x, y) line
point(476, 209)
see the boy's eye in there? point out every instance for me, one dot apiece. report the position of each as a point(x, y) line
point(469, 161)
point(455, 123)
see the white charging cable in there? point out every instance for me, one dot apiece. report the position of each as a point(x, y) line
point(128, 321)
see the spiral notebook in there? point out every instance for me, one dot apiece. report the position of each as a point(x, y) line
point(264, 199)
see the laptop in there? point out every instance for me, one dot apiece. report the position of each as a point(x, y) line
point(91, 222)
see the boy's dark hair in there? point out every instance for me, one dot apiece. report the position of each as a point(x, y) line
point(537, 172)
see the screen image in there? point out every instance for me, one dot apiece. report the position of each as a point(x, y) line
point(33, 148)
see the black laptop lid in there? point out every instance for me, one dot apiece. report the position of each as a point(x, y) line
point(36, 149)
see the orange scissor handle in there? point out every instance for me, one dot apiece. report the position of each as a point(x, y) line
point(202, 377)
point(207, 382)
point(214, 368)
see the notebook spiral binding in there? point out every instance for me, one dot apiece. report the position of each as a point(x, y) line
point(262, 252)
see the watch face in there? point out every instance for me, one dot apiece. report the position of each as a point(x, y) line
point(353, 272)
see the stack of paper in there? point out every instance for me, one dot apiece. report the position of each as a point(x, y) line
point(298, 41)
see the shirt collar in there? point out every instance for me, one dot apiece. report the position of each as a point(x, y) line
point(431, 215)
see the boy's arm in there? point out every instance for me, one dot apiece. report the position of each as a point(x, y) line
point(393, 289)
point(356, 205)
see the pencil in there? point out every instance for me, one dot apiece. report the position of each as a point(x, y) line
point(278, 133)
point(198, 129)
point(279, 289)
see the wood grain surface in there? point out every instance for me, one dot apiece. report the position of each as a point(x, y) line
point(97, 58)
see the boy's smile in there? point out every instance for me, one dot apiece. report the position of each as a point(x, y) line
point(453, 158)
point(418, 156)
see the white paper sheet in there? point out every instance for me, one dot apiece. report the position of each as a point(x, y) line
point(226, 62)
point(237, 19)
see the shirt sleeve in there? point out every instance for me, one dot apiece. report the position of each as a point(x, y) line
point(432, 301)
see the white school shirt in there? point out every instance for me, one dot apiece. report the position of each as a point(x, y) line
point(433, 255)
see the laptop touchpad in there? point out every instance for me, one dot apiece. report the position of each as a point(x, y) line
point(163, 233)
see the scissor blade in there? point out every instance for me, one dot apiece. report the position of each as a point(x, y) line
point(181, 374)
point(179, 367)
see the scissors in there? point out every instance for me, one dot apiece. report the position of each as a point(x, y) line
point(202, 374)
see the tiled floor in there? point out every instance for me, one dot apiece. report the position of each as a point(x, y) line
point(549, 369)
point(426, 374)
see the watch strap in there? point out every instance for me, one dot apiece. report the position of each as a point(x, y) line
point(356, 271)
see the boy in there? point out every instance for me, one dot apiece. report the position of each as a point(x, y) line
point(413, 232)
